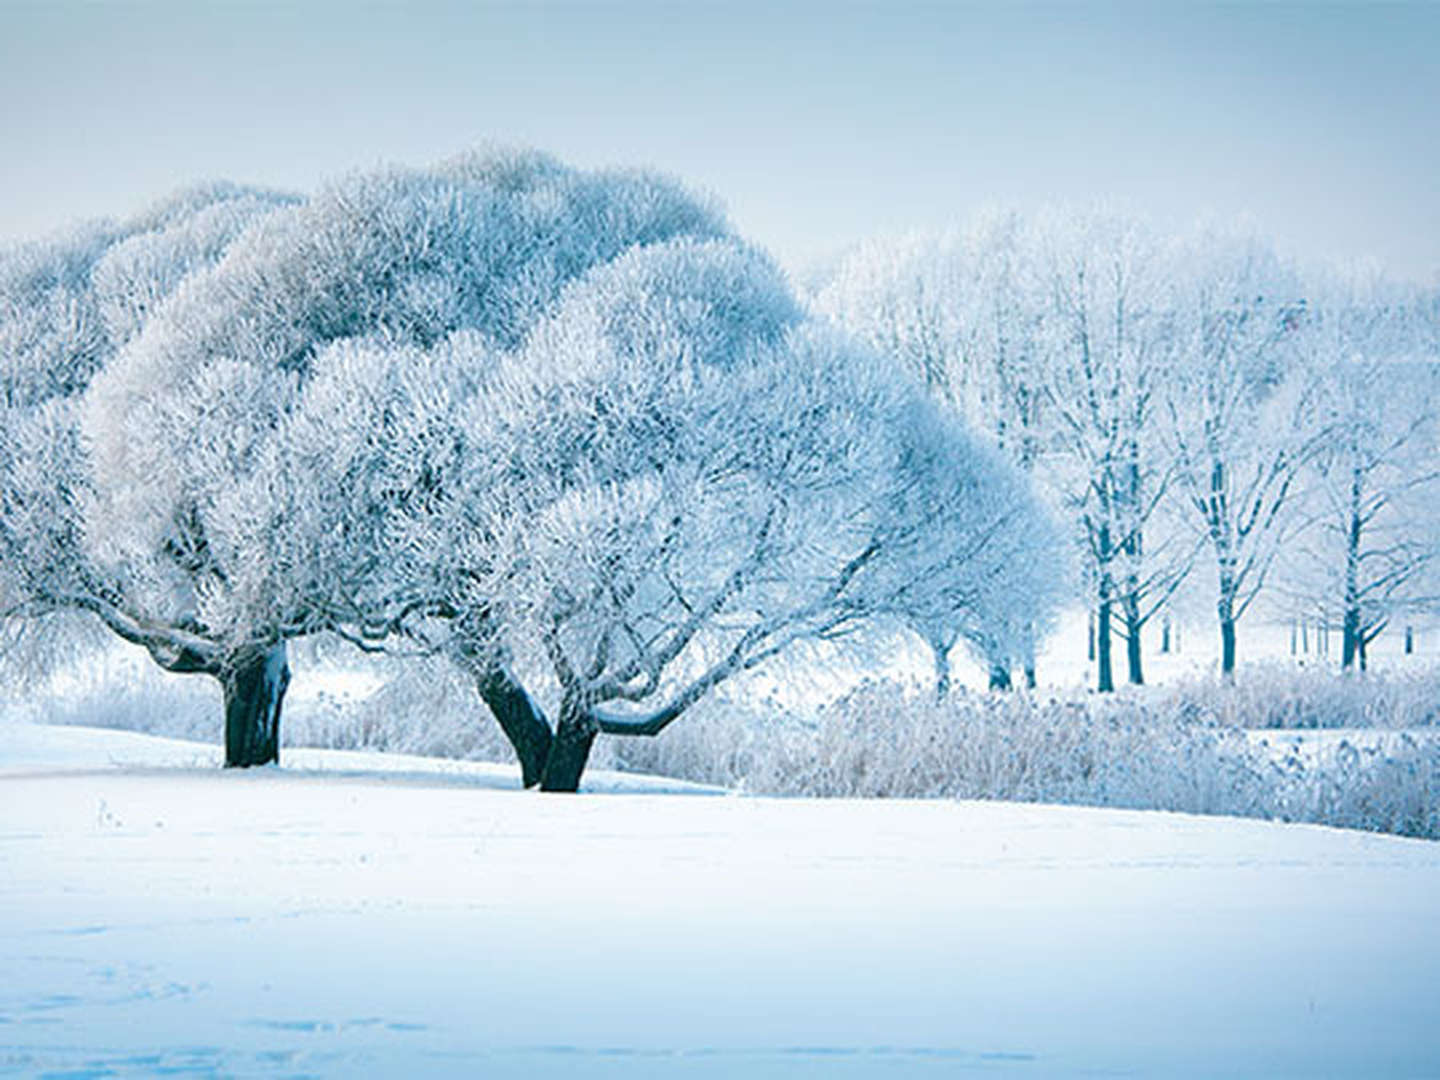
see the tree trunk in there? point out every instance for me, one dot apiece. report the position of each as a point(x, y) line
point(1135, 670)
point(1165, 633)
point(1350, 642)
point(1000, 677)
point(569, 748)
point(1227, 645)
point(1409, 640)
point(1105, 680)
point(1090, 636)
point(519, 718)
point(942, 671)
point(1134, 667)
point(254, 686)
point(1030, 680)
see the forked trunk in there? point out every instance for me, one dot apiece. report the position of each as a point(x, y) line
point(569, 748)
point(254, 686)
point(519, 718)
point(942, 673)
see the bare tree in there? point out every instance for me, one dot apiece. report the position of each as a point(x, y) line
point(1240, 414)
point(1374, 479)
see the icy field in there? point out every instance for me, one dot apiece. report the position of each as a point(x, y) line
point(354, 915)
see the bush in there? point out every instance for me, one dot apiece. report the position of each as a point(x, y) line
point(1282, 696)
point(1140, 749)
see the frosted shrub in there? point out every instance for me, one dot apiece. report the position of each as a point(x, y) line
point(1279, 696)
point(426, 707)
point(1142, 749)
point(1395, 789)
point(877, 742)
point(113, 689)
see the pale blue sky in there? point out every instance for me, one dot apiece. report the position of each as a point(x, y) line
point(816, 124)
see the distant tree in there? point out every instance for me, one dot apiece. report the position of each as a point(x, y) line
point(1240, 414)
point(1051, 336)
point(987, 567)
point(959, 311)
point(1374, 480)
point(1107, 359)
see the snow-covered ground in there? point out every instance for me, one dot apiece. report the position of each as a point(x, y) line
point(355, 916)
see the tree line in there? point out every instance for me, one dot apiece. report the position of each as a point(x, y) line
point(1195, 409)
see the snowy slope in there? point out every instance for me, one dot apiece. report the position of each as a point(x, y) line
point(373, 921)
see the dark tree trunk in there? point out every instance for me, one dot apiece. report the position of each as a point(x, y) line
point(254, 686)
point(1165, 634)
point(1134, 665)
point(519, 718)
point(1225, 611)
point(1227, 645)
point(569, 748)
point(1409, 640)
point(942, 671)
point(1350, 641)
point(1105, 681)
point(1000, 677)
point(1090, 636)
point(1028, 663)
point(1104, 645)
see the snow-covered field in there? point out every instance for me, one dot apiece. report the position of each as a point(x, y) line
point(354, 915)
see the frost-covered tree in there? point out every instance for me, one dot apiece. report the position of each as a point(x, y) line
point(987, 568)
point(194, 514)
point(1240, 413)
point(66, 306)
point(960, 311)
point(1107, 356)
point(1050, 335)
point(1374, 480)
point(685, 481)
